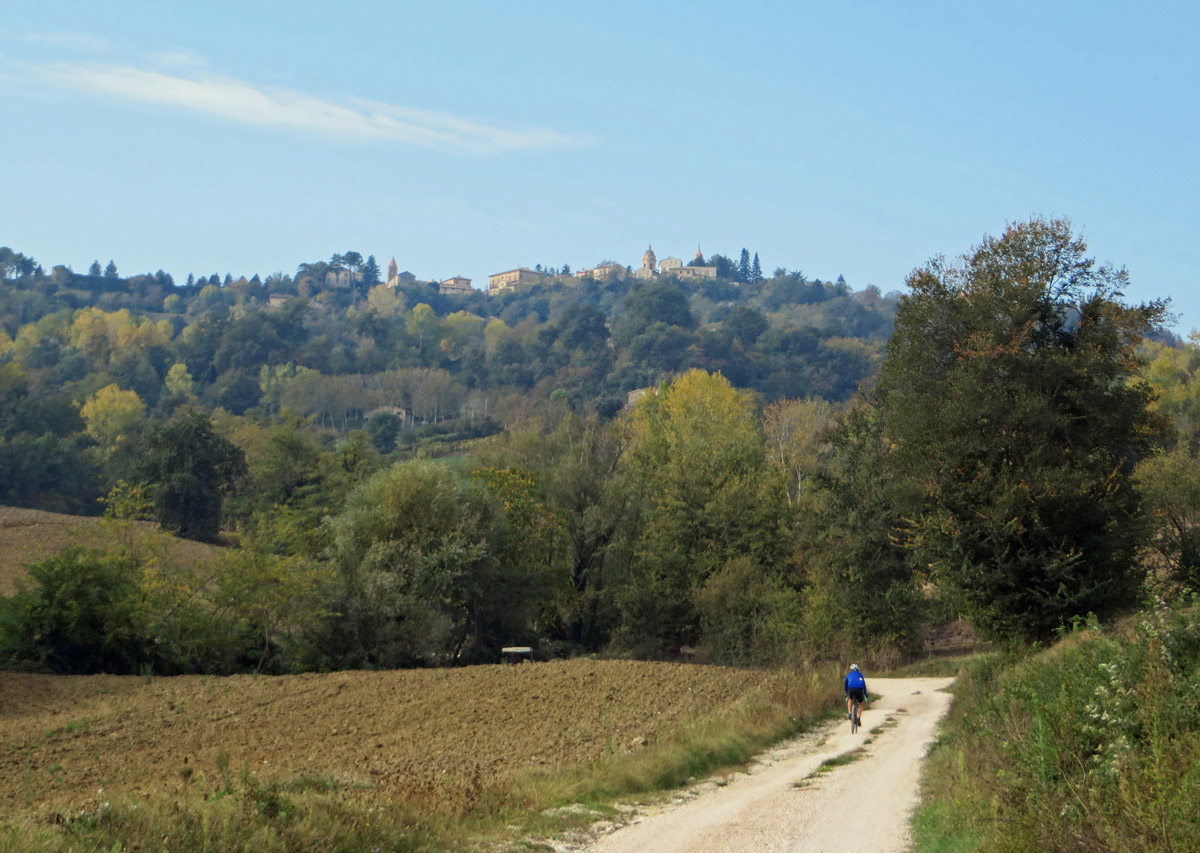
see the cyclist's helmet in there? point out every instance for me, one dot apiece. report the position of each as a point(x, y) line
point(854, 666)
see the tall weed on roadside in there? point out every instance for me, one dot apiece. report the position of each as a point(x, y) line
point(1093, 744)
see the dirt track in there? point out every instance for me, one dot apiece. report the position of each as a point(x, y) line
point(431, 735)
point(780, 806)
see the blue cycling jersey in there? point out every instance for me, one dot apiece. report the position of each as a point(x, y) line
point(855, 681)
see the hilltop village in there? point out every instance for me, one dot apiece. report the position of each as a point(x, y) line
point(651, 268)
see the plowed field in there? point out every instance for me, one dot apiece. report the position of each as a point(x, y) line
point(435, 735)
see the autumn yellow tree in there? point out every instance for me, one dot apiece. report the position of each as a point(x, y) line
point(495, 332)
point(179, 382)
point(1174, 375)
point(797, 434)
point(386, 301)
point(111, 414)
point(422, 325)
point(460, 329)
point(1170, 479)
point(710, 508)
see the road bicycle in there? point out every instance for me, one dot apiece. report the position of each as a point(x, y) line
point(855, 714)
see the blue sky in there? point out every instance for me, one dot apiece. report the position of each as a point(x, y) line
point(469, 138)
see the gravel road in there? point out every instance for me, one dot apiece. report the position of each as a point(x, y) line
point(778, 805)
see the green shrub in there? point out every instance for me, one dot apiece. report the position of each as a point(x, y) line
point(127, 610)
point(1092, 744)
point(78, 612)
point(747, 616)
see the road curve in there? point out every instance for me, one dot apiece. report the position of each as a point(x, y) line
point(776, 806)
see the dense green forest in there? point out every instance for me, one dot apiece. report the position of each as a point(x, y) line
point(757, 469)
point(124, 353)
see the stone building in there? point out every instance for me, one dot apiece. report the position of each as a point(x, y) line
point(456, 284)
point(695, 272)
point(396, 278)
point(504, 280)
point(649, 268)
point(605, 270)
point(672, 266)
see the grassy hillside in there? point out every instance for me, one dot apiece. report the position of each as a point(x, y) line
point(28, 535)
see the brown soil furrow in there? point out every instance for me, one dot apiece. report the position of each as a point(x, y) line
point(426, 733)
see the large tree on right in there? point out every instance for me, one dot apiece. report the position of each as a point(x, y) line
point(1007, 396)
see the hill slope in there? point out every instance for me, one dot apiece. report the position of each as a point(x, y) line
point(29, 535)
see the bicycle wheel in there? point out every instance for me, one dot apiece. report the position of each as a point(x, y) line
point(854, 716)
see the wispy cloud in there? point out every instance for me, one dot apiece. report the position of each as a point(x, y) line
point(177, 59)
point(286, 109)
point(71, 40)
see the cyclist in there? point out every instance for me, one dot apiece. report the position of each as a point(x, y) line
point(856, 688)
